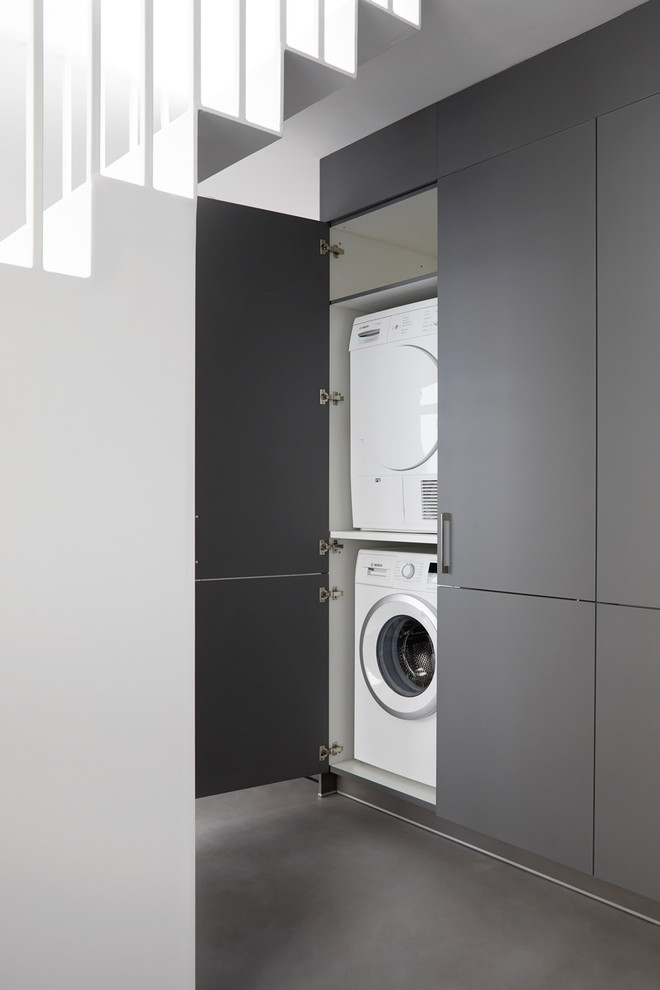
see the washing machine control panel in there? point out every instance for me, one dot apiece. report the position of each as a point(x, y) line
point(417, 570)
point(394, 570)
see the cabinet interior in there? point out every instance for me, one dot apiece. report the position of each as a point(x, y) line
point(384, 249)
point(390, 259)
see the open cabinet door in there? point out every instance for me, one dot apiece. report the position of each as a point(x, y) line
point(261, 497)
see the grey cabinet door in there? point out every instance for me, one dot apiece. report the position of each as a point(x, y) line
point(262, 356)
point(261, 681)
point(515, 720)
point(629, 355)
point(261, 496)
point(627, 806)
point(516, 367)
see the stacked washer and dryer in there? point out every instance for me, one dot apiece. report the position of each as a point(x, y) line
point(394, 382)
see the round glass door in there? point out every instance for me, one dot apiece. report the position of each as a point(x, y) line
point(405, 655)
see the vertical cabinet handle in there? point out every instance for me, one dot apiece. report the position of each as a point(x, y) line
point(445, 542)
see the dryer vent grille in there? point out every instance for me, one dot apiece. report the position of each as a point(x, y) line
point(429, 499)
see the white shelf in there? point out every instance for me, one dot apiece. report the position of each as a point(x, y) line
point(401, 785)
point(365, 536)
point(384, 297)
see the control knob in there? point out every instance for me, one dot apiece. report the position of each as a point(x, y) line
point(407, 571)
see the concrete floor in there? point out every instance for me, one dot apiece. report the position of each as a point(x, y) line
point(299, 893)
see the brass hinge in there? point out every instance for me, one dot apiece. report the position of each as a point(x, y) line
point(325, 397)
point(334, 750)
point(334, 546)
point(334, 249)
point(333, 594)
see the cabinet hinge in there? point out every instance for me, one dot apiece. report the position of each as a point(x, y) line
point(333, 594)
point(325, 397)
point(334, 750)
point(334, 546)
point(334, 249)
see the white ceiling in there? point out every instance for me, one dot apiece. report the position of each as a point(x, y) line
point(460, 42)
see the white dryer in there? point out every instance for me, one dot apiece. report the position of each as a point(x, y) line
point(395, 662)
point(394, 408)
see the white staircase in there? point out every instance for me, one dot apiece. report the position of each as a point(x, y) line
point(340, 35)
point(141, 90)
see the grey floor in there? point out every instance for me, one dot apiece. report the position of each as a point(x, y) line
point(306, 894)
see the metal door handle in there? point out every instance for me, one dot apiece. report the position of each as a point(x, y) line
point(445, 542)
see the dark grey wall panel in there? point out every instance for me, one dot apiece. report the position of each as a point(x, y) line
point(608, 67)
point(515, 720)
point(627, 832)
point(516, 368)
point(262, 356)
point(383, 165)
point(629, 355)
point(261, 681)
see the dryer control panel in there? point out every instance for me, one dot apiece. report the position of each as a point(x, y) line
point(413, 323)
point(401, 323)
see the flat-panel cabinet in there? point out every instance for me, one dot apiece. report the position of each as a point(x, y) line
point(261, 496)
point(261, 681)
point(627, 805)
point(629, 355)
point(381, 166)
point(515, 720)
point(516, 369)
point(519, 680)
point(266, 700)
point(515, 673)
point(262, 357)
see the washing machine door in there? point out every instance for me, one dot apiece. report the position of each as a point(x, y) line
point(394, 396)
point(398, 646)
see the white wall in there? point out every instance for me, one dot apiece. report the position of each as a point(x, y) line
point(282, 177)
point(96, 608)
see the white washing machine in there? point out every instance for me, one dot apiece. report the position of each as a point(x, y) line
point(394, 409)
point(395, 662)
